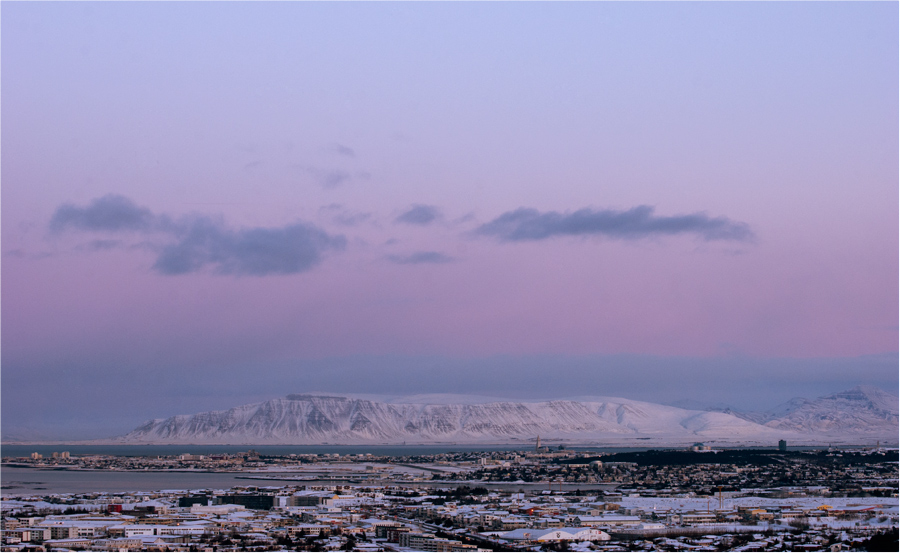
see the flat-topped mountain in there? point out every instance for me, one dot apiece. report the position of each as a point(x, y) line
point(317, 419)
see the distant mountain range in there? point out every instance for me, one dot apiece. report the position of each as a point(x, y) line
point(862, 410)
point(858, 416)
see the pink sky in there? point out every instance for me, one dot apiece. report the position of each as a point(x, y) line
point(773, 125)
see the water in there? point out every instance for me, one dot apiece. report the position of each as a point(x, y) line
point(28, 481)
point(377, 450)
point(21, 482)
point(18, 481)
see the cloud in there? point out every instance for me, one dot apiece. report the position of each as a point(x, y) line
point(99, 245)
point(23, 254)
point(419, 215)
point(348, 219)
point(343, 150)
point(345, 217)
point(332, 178)
point(109, 213)
point(420, 257)
point(638, 222)
point(200, 242)
point(255, 251)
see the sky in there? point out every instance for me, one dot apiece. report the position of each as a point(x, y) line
point(212, 204)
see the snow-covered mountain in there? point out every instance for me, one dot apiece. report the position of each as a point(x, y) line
point(863, 411)
point(318, 419)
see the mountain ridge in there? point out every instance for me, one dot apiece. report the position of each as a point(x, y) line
point(308, 419)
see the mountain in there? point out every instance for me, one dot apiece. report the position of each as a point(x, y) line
point(863, 411)
point(318, 419)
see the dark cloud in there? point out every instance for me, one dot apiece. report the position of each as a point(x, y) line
point(202, 242)
point(419, 215)
point(638, 222)
point(420, 257)
point(109, 213)
point(256, 251)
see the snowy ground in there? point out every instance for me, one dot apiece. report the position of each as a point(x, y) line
point(700, 504)
point(355, 469)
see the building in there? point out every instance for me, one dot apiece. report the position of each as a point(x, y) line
point(428, 542)
point(555, 534)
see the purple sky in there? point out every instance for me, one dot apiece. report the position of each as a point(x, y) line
point(206, 204)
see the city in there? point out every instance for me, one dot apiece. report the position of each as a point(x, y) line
point(549, 499)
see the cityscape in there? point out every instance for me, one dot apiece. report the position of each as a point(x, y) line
point(548, 499)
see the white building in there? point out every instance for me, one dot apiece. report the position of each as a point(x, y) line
point(555, 534)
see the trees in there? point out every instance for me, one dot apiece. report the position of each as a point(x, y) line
point(882, 541)
point(285, 541)
point(350, 544)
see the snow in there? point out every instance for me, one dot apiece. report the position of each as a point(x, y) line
point(701, 504)
point(445, 418)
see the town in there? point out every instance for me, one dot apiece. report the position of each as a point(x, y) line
point(550, 499)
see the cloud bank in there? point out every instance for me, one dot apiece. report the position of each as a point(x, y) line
point(526, 224)
point(200, 242)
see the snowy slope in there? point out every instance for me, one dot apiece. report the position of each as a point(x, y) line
point(860, 413)
point(862, 410)
point(316, 419)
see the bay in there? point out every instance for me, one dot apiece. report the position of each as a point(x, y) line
point(23, 482)
point(17, 450)
point(28, 481)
